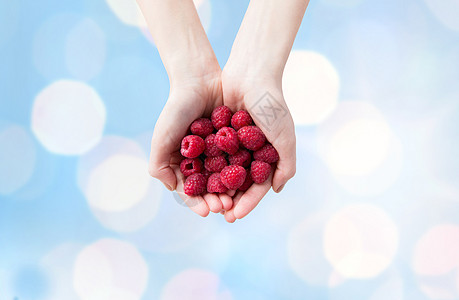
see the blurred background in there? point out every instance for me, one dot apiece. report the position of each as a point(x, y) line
point(373, 212)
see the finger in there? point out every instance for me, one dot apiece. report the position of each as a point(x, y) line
point(196, 204)
point(251, 198)
point(165, 142)
point(231, 193)
point(165, 174)
point(227, 201)
point(214, 202)
point(229, 215)
point(286, 166)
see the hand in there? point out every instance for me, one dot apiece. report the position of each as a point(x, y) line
point(243, 91)
point(189, 99)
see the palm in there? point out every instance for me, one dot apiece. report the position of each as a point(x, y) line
point(244, 93)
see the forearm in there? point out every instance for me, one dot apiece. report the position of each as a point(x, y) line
point(266, 36)
point(179, 36)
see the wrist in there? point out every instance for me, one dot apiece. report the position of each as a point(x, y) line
point(189, 70)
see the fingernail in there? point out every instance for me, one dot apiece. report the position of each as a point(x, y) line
point(280, 188)
point(168, 187)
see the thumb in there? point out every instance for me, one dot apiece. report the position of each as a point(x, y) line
point(165, 174)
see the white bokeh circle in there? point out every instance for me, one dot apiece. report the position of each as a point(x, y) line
point(437, 252)
point(360, 148)
point(85, 50)
point(108, 268)
point(114, 178)
point(128, 12)
point(311, 87)
point(68, 117)
point(360, 241)
point(195, 284)
point(17, 158)
point(118, 183)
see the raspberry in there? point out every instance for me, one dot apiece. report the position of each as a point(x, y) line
point(192, 146)
point(247, 184)
point(215, 184)
point(206, 174)
point(267, 153)
point(227, 140)
point(195, 185)
point(215, 164)
point(251, 137)
point(259, 171)
point(241, 158)
point(202, 127)
point(211, 147)
point(233, 176)
point(221, 117)
point(189, 166)
point(241, 119)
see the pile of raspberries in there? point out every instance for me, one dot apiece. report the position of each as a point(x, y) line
point(232, 158)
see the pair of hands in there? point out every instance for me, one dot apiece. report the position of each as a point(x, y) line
point(196, 95)
point(198, 85)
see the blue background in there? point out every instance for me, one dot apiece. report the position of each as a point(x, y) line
point(408, 70)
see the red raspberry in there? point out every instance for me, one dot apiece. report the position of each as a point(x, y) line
point(202, 127)
point(241, 119)
point(241, 158)
point(206, 174)
point(233, 176)
point(251, 137)
point(247, 184)
point(227, 140)
point(189, 166)
point(221, 117)
point(215, 164)
point(267, 153)
point(192, 146)
point(259, 171)
point(215, 184)
point(211, 147)
point(195, 185)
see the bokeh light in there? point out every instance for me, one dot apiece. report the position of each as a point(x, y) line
point(445, 11)
point(437, 252)
point(49, 45)
point(114, 178)
point(109, 267)
point(306, 253)
point(392, 288)
point(371, 213)
point(17, 158)
point(118, 183)
point(360, 148)
point(195, 284)
point(59, 264)
point(311, 87)
point(85, 50)
point(360, 241)
point(187, 229)
point(68, 117)
point(128, 12)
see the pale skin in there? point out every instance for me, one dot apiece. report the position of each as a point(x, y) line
point(197, 85)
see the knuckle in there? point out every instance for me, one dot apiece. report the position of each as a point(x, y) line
point(153, 171)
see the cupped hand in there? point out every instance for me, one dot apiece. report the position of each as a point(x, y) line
point(188, 100)
point(262, 97)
